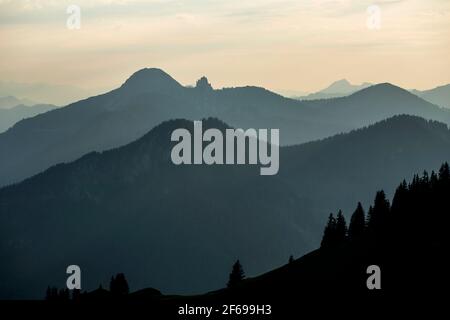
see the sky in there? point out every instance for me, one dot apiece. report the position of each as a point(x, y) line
point(285, 46)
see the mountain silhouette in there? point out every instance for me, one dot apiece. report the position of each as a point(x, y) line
point(344, 87)
point(32, 93)
point(150, 96)
point(337, 89)
point(144, 215)
point(334, 172)
point(8, 102)
point(131, 209)
point(150, 80)
point(439, 96)
point(373, 104)
point(10, 116)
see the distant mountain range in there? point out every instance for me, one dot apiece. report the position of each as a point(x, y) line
point(439, 96)
point(374, 104)
point(130, 209)
point(340, 88)
point(10, 116)
point(54, 94)
point(150, 96)
point(8, 102)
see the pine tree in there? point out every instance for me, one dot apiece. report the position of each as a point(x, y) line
point(444, 172)
point(112, 285)
point(329, 234)
point(64, 295)
point(341, 228)
point(237, 275)
point(48, 294)
point(400, 212)
point(291, 259)
point(369, 216)
point(119, 285)
point(357, 223)
point(434, 180)
point(378, 216)
point(54, 293)
point(400, 195)
point(76, 294)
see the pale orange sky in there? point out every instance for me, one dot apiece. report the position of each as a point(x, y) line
point(281, 45)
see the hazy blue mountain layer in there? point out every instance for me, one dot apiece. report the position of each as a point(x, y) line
point(151, 96)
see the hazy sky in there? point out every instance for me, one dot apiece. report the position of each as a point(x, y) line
point(300, 45)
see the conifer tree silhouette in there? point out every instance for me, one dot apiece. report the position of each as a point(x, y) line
point(329, 234)
point(119, 285)
point(48, 294)
point(237, 275)
point(341, 228)
point(433, 180)
point(400, 196)
point(54, 293)
point(76, 294)
point(357, 223)
point(64, 294)
point(379, 213)
point(444, 173)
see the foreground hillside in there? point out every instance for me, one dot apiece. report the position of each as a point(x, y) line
point(406, 240)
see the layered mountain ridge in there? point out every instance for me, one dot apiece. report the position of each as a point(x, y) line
point(145, 216)
point(151, 96)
